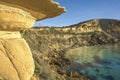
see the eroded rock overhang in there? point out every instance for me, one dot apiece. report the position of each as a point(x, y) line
point(21, 14)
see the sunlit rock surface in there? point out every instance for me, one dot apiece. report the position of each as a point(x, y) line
point(14, 18)
point(15, 15)
point(21, 14)
point(15, 57)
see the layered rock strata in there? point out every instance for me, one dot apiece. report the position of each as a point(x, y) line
point(15, 54)
point(12, 18)
point(16, 62)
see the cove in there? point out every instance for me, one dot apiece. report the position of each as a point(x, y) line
point(101, 62)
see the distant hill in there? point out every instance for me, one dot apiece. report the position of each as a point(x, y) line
point(109, 26)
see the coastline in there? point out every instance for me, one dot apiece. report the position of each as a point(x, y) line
point(49, 52)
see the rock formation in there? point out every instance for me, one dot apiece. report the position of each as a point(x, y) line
point(16, 62)
point(15, 58)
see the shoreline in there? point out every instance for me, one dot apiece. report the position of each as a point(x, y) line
point(49, 52)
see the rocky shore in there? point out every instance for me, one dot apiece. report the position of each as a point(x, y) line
point(49, 47)
point(49, 58)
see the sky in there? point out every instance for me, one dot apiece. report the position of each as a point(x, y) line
point(82, 10)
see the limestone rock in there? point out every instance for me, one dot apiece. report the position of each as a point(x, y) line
point(40, 9)
point(12, 19)
point(21, 14)
point(16, 62)
point(15, 59)
point(9, 34)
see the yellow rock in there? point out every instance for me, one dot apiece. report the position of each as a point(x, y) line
point(16, 62)
point(7, 70)
point(21, 14)
point(37, 8)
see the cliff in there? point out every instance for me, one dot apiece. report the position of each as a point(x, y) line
point(106, 26)
point(109, 26)
point(15, 56)
point(49, 45)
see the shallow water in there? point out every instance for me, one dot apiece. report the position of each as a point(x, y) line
point(97, 62)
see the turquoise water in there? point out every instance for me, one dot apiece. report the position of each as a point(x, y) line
point(97, 62)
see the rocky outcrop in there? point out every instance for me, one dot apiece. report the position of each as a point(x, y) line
point(15, 58)
point(12, 19)
point(107, 26)
point(19, 15)
point(15, 15)
point(14, 52)
point(37, 8)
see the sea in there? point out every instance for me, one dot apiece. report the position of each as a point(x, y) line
point(100, 62)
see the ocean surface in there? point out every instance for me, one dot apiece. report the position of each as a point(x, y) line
point(97, 62)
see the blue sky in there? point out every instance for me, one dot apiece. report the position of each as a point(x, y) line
point(82, 10)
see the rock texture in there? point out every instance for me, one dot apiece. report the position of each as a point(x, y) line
point(16, 60)
point(39, 9)
point(12, 19)
point(16, 15)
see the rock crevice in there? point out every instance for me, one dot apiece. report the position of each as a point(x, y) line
point(8, 56)
point(20, 59)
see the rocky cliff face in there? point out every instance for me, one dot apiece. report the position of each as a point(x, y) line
point(15, 57)
point(48, 51)
point(110, 26)
point(16, 62)
point(49, 45)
